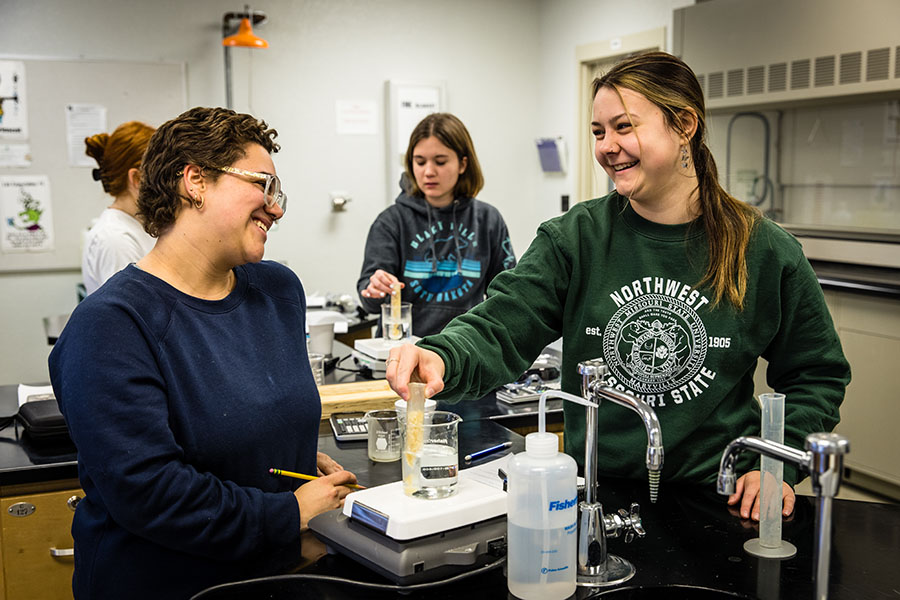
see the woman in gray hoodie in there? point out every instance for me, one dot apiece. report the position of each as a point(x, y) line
point(437, 240)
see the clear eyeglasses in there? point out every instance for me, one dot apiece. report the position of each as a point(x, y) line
point(272, 191)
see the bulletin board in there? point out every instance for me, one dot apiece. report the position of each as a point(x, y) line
point(152, 92)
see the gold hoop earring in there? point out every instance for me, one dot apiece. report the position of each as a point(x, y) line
point(197, 201)
point(684, 157)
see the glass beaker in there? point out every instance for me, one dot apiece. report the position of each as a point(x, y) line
point(396, 322)
point(384, 435)
point(430, 464)
point(317, 364)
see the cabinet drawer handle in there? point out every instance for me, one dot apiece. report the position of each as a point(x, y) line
point(57, 552)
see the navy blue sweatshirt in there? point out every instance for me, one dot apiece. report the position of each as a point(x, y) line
point(445, 256)
point(178, 407)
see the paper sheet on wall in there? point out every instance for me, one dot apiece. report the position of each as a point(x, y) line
point(13, 105)
point(83, 120)
point(26, 212)
point(356, 117)
point(15, 155)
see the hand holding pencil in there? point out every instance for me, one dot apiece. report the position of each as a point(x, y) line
point(273, 471)
point(320, 494)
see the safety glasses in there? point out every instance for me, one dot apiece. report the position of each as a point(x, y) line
point(272, 190)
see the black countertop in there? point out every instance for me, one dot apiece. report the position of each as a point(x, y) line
point(693, 538)
point(694, 541)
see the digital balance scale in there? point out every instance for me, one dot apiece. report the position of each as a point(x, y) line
point(373, 352)
point(411, 540)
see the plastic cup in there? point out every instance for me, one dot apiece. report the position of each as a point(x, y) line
point(394, 327)
point(430, 462)
point(317, 364)
point(321, 338)
point(400, 407)
point(384, 435)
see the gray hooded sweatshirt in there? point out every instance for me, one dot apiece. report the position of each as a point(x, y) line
point(445, 256)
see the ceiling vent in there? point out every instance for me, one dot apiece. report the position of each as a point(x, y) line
point(824, 71)
point(800, 74)
point(736, 82)
point(878, 64)
point(851, 68)
point(716, 85)
point(756, 80)
point(778, 77)
point(750, 53)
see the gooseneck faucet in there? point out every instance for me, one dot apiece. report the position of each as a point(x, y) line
point(823, 460)
point(593, 387)
point(595, 566)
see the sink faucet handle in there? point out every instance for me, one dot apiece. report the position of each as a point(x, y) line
point(631, 522)
point(626, 523)
point(635, 520)
point(827, 461)
point(593, 367)
point(592, 372)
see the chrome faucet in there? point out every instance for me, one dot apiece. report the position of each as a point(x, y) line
point(823, 460)
point(596, 567)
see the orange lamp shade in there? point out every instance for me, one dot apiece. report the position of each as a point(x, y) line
point(244, 37)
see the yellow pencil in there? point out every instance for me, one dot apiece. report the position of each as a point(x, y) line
point(308, 477)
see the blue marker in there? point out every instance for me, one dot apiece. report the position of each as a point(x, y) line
point(486, 451)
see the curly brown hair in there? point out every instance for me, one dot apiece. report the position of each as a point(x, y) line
point(205, 137)
point(117, 154)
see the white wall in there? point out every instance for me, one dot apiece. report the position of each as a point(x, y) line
point(565, 26)
point(509, 67)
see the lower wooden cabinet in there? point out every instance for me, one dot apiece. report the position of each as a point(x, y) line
point(36, 546)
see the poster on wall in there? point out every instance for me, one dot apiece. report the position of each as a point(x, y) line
point(25, 209)
point(82, 121)
point(13, 106)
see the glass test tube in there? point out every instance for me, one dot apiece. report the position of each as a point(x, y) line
point(395, 331)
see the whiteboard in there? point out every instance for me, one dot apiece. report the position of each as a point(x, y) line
point(152, 92)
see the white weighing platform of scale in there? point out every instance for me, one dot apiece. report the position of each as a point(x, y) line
point(373, 352)
point(411, 540)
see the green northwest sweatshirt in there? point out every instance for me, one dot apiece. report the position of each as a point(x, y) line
point(617, 286)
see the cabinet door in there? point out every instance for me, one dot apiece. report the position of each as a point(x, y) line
point(870, 333)
point(29, 541)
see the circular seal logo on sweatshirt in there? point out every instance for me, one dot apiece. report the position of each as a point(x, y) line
point(654, 343)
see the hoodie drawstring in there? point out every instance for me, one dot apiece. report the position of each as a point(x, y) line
point(433, 249)
point(456, 238)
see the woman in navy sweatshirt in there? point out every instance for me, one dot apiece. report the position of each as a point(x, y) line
point(184, 379)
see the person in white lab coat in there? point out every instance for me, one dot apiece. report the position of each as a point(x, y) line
point(117, 238)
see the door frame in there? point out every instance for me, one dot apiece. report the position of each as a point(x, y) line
point(587, 56)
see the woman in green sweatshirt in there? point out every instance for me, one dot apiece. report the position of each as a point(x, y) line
point(677, 285)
